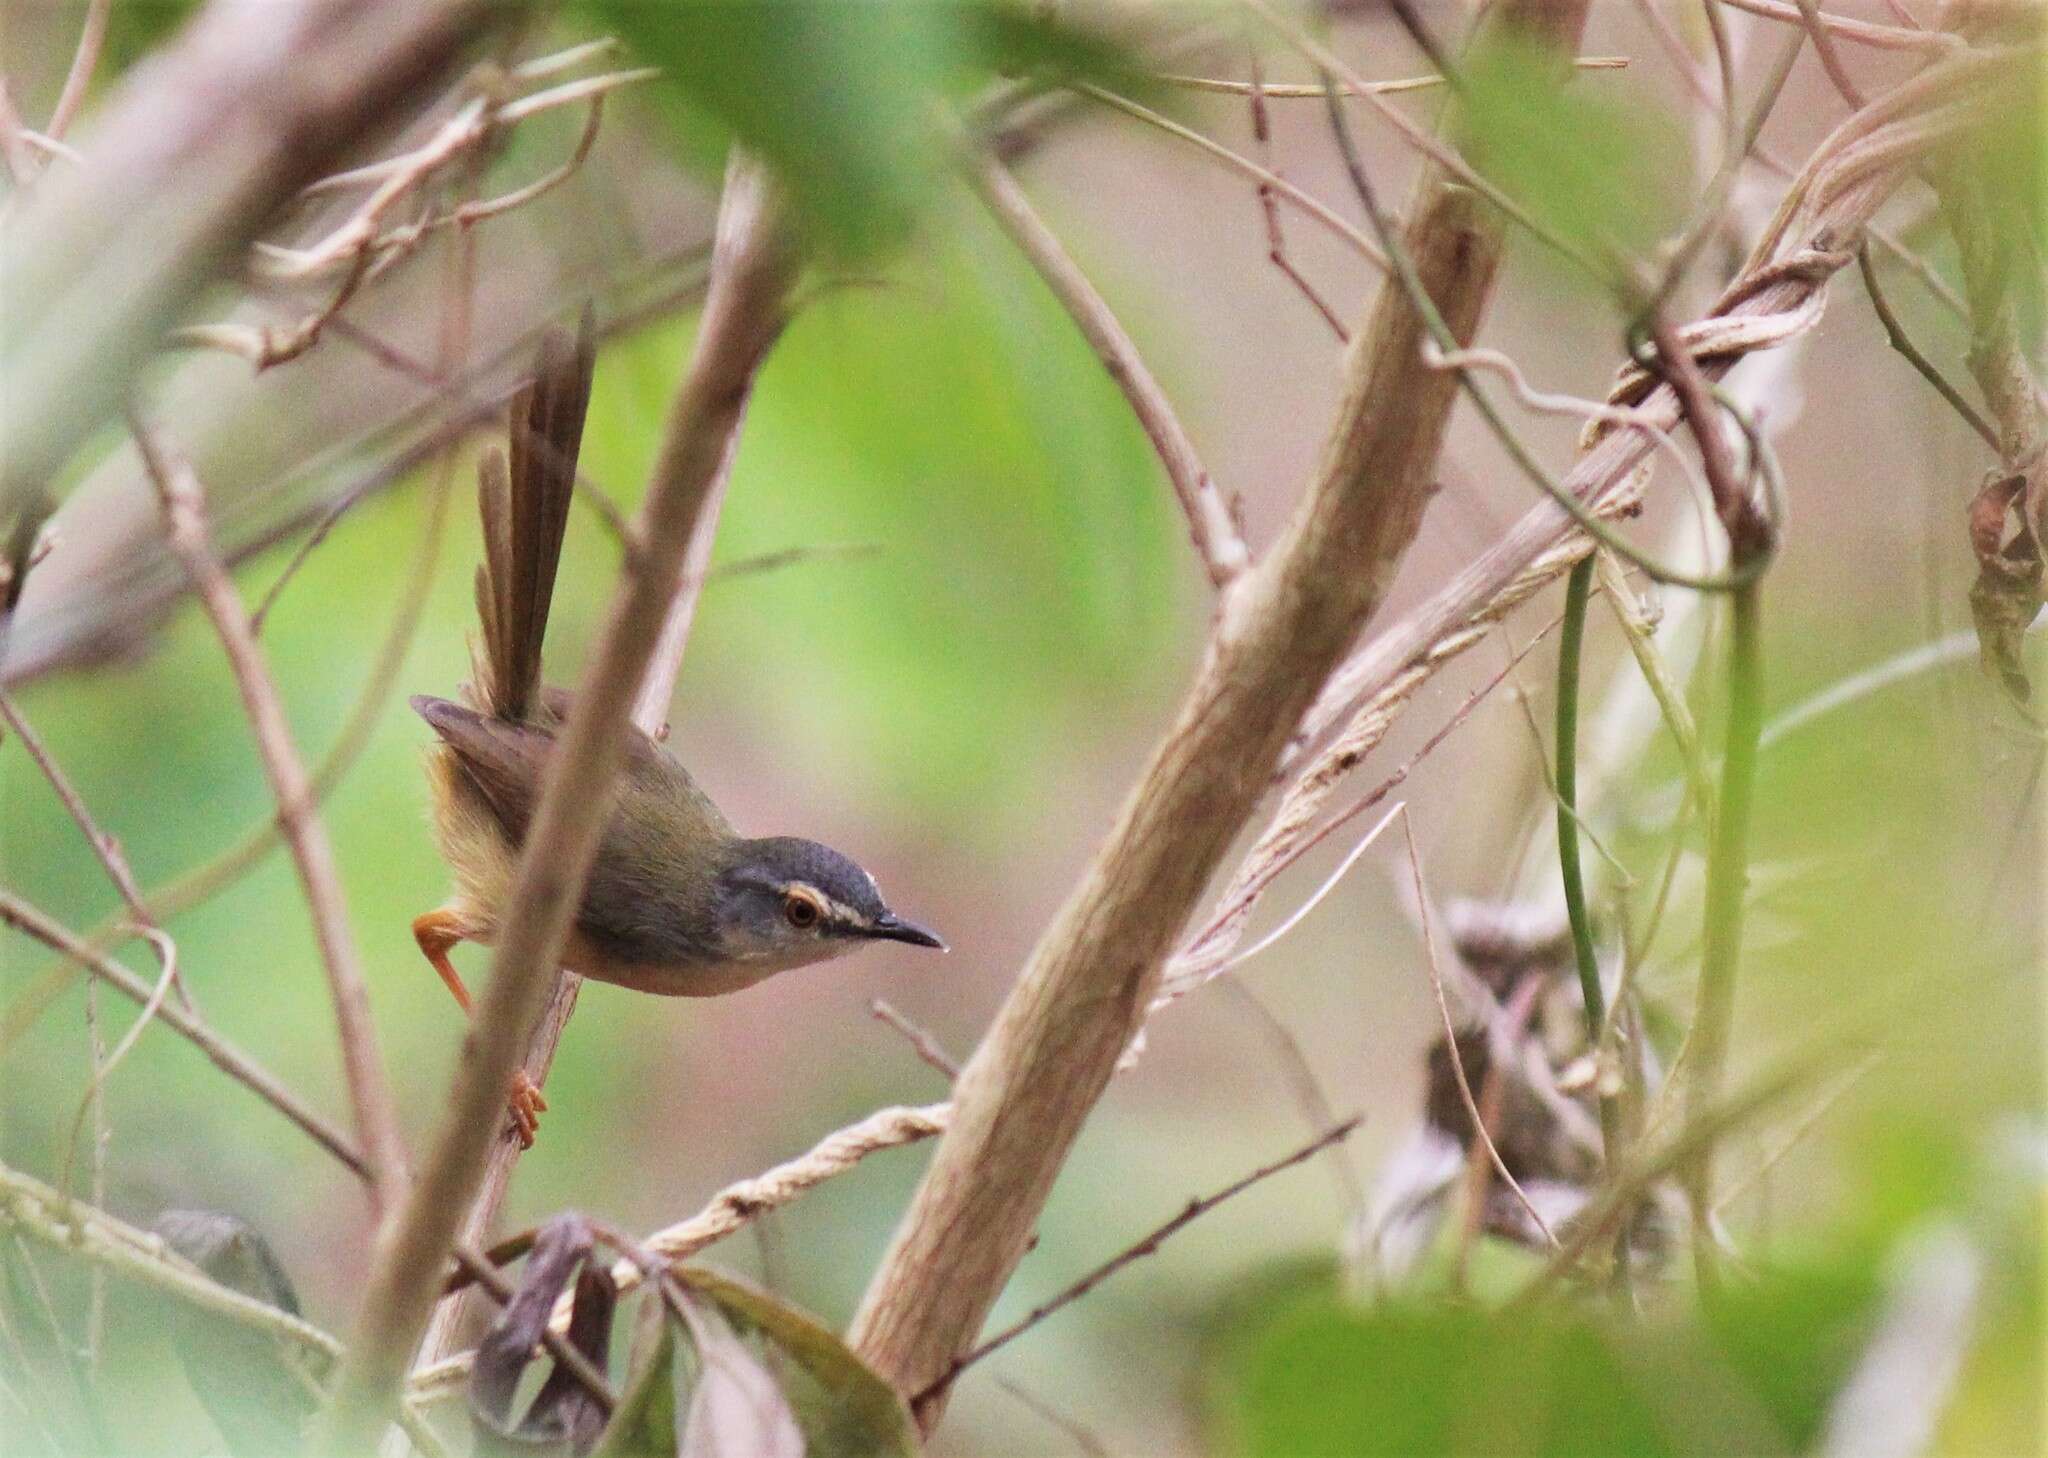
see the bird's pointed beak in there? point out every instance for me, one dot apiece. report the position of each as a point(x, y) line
point(892, 928)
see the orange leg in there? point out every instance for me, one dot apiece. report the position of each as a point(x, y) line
point(437, 932)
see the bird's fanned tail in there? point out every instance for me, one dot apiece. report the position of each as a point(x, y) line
point(524, 504)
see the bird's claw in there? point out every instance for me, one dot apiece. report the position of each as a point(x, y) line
point(527, 1105)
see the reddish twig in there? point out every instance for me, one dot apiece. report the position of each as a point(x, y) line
point(1830, 57)
point(1310, 204)
point(1269, 206)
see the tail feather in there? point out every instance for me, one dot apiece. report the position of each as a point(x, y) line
point(524, 503)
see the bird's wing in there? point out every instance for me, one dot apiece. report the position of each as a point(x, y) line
point(504, 761)
point(501, 759)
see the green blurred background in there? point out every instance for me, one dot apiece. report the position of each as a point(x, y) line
point(961, 702)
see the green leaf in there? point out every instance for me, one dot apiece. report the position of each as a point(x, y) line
point(838, 97)
point(845, 1408)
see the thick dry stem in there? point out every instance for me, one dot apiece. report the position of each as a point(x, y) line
point(1022, 1098)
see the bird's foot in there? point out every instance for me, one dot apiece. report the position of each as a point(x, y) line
point(527, 1104)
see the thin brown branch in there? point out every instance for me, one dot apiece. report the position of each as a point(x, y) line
point(920, 1039)
point(91, 1106)
point(1433, 148)
point(1215, 535)
point(478, 1268)
point(25, 918)
point(473, 126)
point(1148, 1245)
point(1306, 1088)
point(367, 253)
point(1513, 1020)
point(742, 316)
point(1081, 997)
point(775, 561)
point(264, 346)
point(1830, 55)
point(104, 847)
point(1863, 32)
point(370, 1099)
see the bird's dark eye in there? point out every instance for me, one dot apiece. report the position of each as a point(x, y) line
point(802, 910)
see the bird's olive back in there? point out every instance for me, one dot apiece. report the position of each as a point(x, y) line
point(650, 895)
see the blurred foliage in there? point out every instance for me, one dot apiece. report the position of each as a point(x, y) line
point(838, 97)
point(1759, 1369)
point(951, 419)
point(1603, 172)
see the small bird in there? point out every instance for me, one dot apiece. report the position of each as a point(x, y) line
point(677, 902)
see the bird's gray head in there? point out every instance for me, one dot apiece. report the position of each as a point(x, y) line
point(786, 902)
